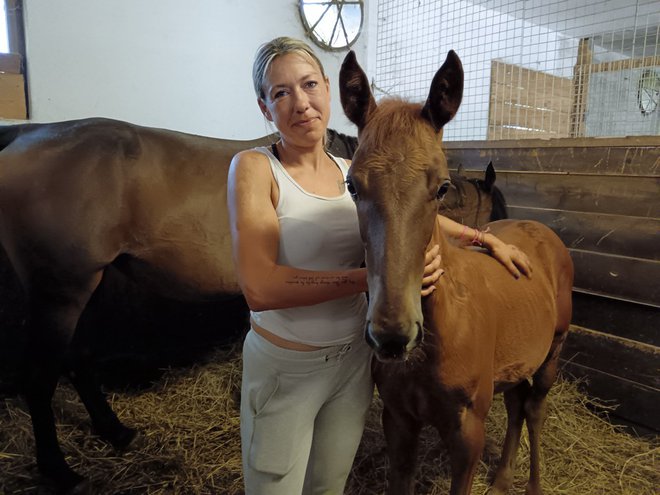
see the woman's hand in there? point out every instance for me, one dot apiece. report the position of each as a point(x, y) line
point(509, 255)
point(432, 270)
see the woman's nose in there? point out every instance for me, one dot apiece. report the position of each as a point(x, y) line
point(301, 101)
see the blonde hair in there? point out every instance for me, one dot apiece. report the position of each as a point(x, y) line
point(269, 51)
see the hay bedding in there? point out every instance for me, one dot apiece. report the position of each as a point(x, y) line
point(190, 444)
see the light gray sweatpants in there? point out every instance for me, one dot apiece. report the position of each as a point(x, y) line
point(302, 415)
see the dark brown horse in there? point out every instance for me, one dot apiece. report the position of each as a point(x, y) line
point(473, 201)
point(441, 360)
point(78, 196)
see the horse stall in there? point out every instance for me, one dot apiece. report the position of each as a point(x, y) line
point(560, 98)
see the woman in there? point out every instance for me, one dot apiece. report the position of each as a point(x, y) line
point(297, 249)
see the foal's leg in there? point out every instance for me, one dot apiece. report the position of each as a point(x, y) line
point(402, 438)
point(465, 444)
point(52, 320)
point(514, 399)
point(536, 411)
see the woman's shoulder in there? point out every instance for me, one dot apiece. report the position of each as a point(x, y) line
point(253, 158)
point(344, 163)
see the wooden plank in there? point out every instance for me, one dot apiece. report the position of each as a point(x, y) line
point(551, 97)
point(616, 370)
point(599, 232)
point(535, 119)
point(632, 156)
point(629, 320)
point(624, 195)
point(625, 64)
point(632, 279)
point(526, 103)
point(580, 87)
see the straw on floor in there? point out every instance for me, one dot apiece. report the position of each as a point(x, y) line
point(189, 443)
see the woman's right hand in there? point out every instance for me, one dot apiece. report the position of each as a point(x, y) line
point(432, 270)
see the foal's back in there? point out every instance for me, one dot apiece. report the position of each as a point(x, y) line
point(509, 326)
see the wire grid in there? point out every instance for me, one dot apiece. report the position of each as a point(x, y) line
point(533, 68)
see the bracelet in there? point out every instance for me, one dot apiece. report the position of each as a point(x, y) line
point(475, 240)
point(479, 237)
point(460, 238)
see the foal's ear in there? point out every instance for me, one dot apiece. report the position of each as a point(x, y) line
point(446, 92)
point(354, 91)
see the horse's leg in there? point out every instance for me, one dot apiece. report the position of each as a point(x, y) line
point(536, 411)
point(514, 399)
point(402, 438)
point(53, 316)
point(104, 420)
point(465, 444)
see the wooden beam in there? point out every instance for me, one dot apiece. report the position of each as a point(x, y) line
point(580, 86)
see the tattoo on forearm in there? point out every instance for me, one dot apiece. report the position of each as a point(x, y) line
point(308, 280)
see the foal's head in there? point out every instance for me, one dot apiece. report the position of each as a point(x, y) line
point(398, 175)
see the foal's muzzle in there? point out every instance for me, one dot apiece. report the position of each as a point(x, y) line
point(390, 344)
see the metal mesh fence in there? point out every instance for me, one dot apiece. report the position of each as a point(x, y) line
point(533, 68)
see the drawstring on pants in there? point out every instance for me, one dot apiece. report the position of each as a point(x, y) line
point(339, 354)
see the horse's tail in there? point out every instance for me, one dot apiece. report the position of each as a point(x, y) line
point(499, 211)
point(7, 134)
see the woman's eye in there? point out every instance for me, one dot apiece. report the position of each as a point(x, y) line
point(279, 94)
point(351, 189)
point(311, 84)
point(442, 190)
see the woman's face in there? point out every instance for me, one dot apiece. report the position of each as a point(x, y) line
point(297, 99)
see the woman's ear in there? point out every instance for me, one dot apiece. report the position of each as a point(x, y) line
point(264, 109)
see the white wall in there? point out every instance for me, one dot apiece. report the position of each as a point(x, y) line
point(163, 63)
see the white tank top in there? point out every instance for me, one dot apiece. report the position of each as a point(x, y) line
point(316, 233)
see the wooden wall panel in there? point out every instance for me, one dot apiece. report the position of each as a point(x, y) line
point(623, 195)
point(633, 279)
point(525, 103)
point(638, 155)
point(605, 233)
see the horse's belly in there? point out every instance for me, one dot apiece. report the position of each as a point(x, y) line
point(183, 277)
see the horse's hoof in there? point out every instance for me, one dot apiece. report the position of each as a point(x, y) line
point(84, 487)
point(66, 482)
point(125, 440)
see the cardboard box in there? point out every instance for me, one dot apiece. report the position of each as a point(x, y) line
point(12, 96)
point(10, 62)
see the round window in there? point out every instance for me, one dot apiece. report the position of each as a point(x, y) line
point(332, 24)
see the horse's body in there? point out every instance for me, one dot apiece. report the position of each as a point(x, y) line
point(78, 196)
point(441, 360)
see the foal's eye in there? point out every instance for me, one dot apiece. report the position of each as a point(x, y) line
point(351, 189)
point(442, 190)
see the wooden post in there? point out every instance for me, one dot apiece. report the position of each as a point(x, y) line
point(580, 87)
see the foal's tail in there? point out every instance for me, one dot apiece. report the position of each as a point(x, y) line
point(8, 133)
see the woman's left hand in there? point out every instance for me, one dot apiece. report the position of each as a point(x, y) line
point(512, 258)
point(432, 270)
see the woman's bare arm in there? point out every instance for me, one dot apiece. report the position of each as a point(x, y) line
point(509, 255)
point(255, 242)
